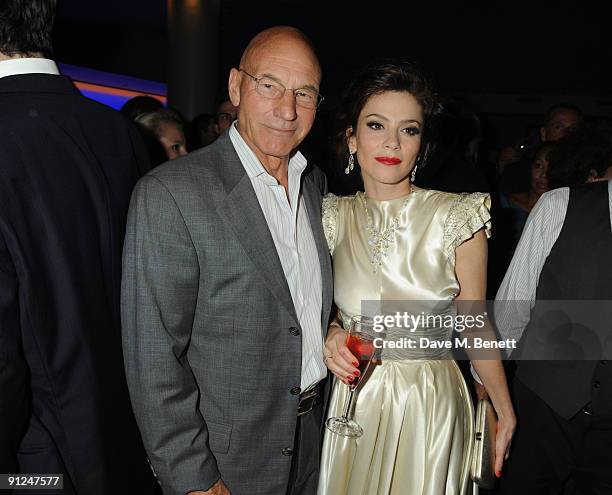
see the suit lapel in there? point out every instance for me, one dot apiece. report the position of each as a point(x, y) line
point(312, 198)
point(244, 216)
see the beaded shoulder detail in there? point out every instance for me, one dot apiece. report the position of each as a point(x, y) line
point(330, 220)
point(468, 214)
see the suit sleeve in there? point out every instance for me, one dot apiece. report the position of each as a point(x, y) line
point(158, 301)
point(14, 388)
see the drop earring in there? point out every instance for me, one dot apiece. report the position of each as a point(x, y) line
point(413, 174)
point(351, 164)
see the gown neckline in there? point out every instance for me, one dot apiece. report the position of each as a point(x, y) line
point(400, 199)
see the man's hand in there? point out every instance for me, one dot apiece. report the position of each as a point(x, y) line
point(218, 488)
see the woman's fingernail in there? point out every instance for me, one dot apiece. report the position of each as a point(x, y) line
point(498, 474)
point(350, 378)
point(356, 373)
point(355, 363)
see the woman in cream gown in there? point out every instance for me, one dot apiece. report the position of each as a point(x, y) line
point(400, 242)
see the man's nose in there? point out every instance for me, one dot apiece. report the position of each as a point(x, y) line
point(287, 106)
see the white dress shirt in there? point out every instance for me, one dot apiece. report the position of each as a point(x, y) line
point(20, 66)
point(520, 283)
point(294, 241)
point(539, 236)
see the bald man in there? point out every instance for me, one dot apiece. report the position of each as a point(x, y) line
point(227, 291)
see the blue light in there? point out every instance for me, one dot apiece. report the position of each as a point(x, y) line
point(114, 101)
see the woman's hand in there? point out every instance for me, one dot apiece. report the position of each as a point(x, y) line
point(337, 357)
point(506, 425)
point(481, 391)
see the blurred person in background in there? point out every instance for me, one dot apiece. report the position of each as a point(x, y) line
point(202, 131)
point(168, 128)
point(454, 162)
point(518, 205)
point(525, 146)
point(559, 119)
point(226, 114)
point(140, 104)
point(584, 155)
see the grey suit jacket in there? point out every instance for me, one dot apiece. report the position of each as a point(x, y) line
point(211, 339)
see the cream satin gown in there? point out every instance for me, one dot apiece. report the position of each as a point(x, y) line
point(416, 414)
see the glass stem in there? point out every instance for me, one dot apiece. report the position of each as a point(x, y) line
point(348, 403)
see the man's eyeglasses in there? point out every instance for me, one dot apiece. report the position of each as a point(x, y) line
point(269, 88)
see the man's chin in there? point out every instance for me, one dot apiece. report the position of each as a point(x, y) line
point(278, 151)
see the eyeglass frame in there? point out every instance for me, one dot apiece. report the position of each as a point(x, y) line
point(320, 97)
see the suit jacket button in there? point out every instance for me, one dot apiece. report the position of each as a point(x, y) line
point(296, 391)
point(287, 452)
point(294, 331)
point(603, 361)
point(597, 384)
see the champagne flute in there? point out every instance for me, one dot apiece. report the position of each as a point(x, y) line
point(360, 341)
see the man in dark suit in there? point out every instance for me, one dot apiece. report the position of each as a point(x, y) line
point(67, 168)
point(227, 292)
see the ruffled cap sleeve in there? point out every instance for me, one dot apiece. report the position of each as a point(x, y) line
point(469, 213)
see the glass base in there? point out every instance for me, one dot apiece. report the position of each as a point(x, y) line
point(344, 427)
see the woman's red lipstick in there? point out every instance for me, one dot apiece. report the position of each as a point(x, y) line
point(387, 160)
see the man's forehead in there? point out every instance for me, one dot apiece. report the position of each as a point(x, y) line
point(291, 57)
point(288, 73)
point(563, 115)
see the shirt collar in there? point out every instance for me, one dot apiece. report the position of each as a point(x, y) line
point(250, 162)
point(20, 66)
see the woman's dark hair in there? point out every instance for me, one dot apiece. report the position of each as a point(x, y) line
point(26, 27)
point(582, 150)
point(378, 79)
point(545, 147)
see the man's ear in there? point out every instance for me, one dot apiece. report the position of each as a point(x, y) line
point(351, 140)
point(233, 86)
